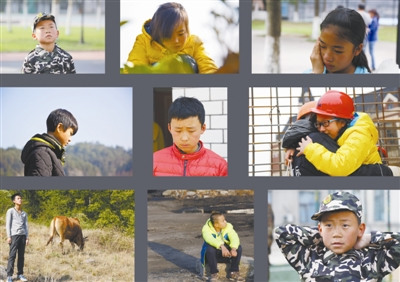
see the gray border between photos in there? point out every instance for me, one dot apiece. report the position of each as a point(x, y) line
point(238, 89)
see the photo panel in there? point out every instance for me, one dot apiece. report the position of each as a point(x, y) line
point(190, 131)
point(179, 219)
point(76, 43)
point(184, 37)
point(97, 226)
point(292, 210)
point(96, 142)
point(278, 121)
point(159, 236)
point(284, 40)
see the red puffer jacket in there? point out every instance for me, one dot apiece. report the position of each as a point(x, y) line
point(171, 161)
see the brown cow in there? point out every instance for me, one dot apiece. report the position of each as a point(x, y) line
point(68, 228)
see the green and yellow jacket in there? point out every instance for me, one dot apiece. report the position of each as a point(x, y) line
point(213, 238)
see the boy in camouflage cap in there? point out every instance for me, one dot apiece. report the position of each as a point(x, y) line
point(338, 249)
point(47, 57)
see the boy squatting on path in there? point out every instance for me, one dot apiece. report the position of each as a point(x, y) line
point(43, 154)
point(187, 156)
point(17, 237)
point(47, 57)
point(221, 244)
point(338, 249)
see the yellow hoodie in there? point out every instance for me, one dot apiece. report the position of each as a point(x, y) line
point(146, 51)
point(357, 147)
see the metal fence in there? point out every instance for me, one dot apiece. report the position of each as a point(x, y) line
point(273, 110)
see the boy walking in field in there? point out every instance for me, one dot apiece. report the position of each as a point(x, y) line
point(221, 244)
point(187, 156)
point(338, 249)
point(17, 237)
point(47, 57)
point(43, 154)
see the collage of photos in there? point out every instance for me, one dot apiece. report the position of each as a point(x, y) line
point(191, 74)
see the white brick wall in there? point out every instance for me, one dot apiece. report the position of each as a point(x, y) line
point(215, 101)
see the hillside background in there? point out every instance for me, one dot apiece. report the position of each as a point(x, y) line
point(82, 159)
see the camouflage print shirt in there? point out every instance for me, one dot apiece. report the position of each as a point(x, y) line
point(304, 250)
point(41, 61)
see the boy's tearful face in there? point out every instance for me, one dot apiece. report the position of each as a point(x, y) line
point(340, 231)
point(186, 133)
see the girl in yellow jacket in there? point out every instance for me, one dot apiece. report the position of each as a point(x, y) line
point(167, 35)
point(355, 133)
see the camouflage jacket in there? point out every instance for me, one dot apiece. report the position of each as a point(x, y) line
point(41, 61)
point(304, 250)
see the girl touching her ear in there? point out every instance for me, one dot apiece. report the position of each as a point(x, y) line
point(339, 48)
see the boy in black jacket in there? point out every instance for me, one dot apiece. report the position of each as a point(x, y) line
point(43, 154)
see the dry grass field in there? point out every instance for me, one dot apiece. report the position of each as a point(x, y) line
point(108, 256)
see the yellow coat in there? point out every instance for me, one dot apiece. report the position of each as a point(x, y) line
point(145, 51)
point(158, 137)
point(357, 147)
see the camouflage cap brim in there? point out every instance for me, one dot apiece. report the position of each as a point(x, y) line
point(42, 17)
point(318, 215)
point(339, 201)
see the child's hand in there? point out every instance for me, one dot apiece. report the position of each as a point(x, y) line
point(233, 252)
point(363, 242)
point(303, 144)
point(289, 156)
point(225, 252)
point(316, 59)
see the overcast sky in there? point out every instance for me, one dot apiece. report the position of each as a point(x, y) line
point(100, 112)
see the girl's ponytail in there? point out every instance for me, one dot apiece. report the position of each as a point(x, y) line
point(361, 61)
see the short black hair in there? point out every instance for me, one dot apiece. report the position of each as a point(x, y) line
point(214, 215)
point(61, 116)
point(15, 195)
point(185, 107)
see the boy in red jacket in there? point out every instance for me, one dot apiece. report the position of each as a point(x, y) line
point(187, 156)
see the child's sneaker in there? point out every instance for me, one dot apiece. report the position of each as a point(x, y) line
point(22, 277)
point(9, 279)
point(235, 276)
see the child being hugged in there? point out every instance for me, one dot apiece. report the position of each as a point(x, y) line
point(354, 132)
point(339, 48)
point(166, 34)
point(47, 57)
point(306, 125)
point(338, 249)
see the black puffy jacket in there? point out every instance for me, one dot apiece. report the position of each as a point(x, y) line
point(299, 129)
point(43, 155)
